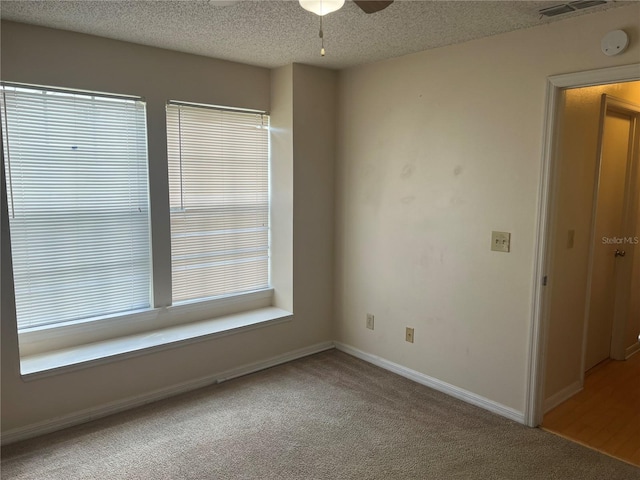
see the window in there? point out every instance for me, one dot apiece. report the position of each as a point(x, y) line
point(78, 186)
point(219, 199)
point(77, 193)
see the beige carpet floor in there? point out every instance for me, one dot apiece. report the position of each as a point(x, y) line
point(328, 416)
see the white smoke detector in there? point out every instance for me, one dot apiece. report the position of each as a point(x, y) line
point(614, 42)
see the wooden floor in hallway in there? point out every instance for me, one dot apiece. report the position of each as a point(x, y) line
point(606, 414)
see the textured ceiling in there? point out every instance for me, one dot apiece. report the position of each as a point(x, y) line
point(273, 33)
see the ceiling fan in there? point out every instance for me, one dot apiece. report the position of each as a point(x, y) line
point(323, 7)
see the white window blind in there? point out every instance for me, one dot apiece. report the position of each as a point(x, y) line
point(219, 196)
point(77, 192)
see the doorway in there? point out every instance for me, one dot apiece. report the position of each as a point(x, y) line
point(612, 322)
point(600, 411)
point(567, 237)
point(588, 286)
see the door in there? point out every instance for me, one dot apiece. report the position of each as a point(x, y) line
point(614, 236)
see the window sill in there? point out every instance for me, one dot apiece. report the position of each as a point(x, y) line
point(77, 357)
point(49, 338)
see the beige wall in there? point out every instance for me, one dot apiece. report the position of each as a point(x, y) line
point(314, 115)
point(436, 150)
point(51, 57)
point(576, 176)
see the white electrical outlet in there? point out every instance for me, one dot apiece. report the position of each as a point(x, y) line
point(501, 241)
point(370, 321)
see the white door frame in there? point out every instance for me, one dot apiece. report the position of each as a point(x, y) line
point(539, 324)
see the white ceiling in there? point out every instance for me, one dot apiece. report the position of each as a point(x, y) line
point(273, 33)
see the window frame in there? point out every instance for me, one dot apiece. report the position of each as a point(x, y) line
point(176, 104)
point(52, 110)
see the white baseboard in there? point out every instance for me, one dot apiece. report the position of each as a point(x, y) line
point(93, 413)
point(273, 361)
point(635, 348)
point(436, 384)
point(566, 393)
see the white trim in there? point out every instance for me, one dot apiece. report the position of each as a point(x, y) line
point(273, 361)
point(538, 334)
point(635, 348)
point(49, 338)
point(592, 238)
point(99, 353)
point(439, 385)
point(538, 329)
point(601, 76)
point(565, 394)
point(93, 413)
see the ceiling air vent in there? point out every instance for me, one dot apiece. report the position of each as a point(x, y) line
point(580, 4)
point(569, 7)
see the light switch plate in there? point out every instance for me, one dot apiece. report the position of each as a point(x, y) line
point(409, 335)
point(571, 235)
point(501, 241)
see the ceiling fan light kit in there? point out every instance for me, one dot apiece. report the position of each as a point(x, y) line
point(321, 7)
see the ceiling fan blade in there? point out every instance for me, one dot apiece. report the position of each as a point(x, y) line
point(372, 6)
